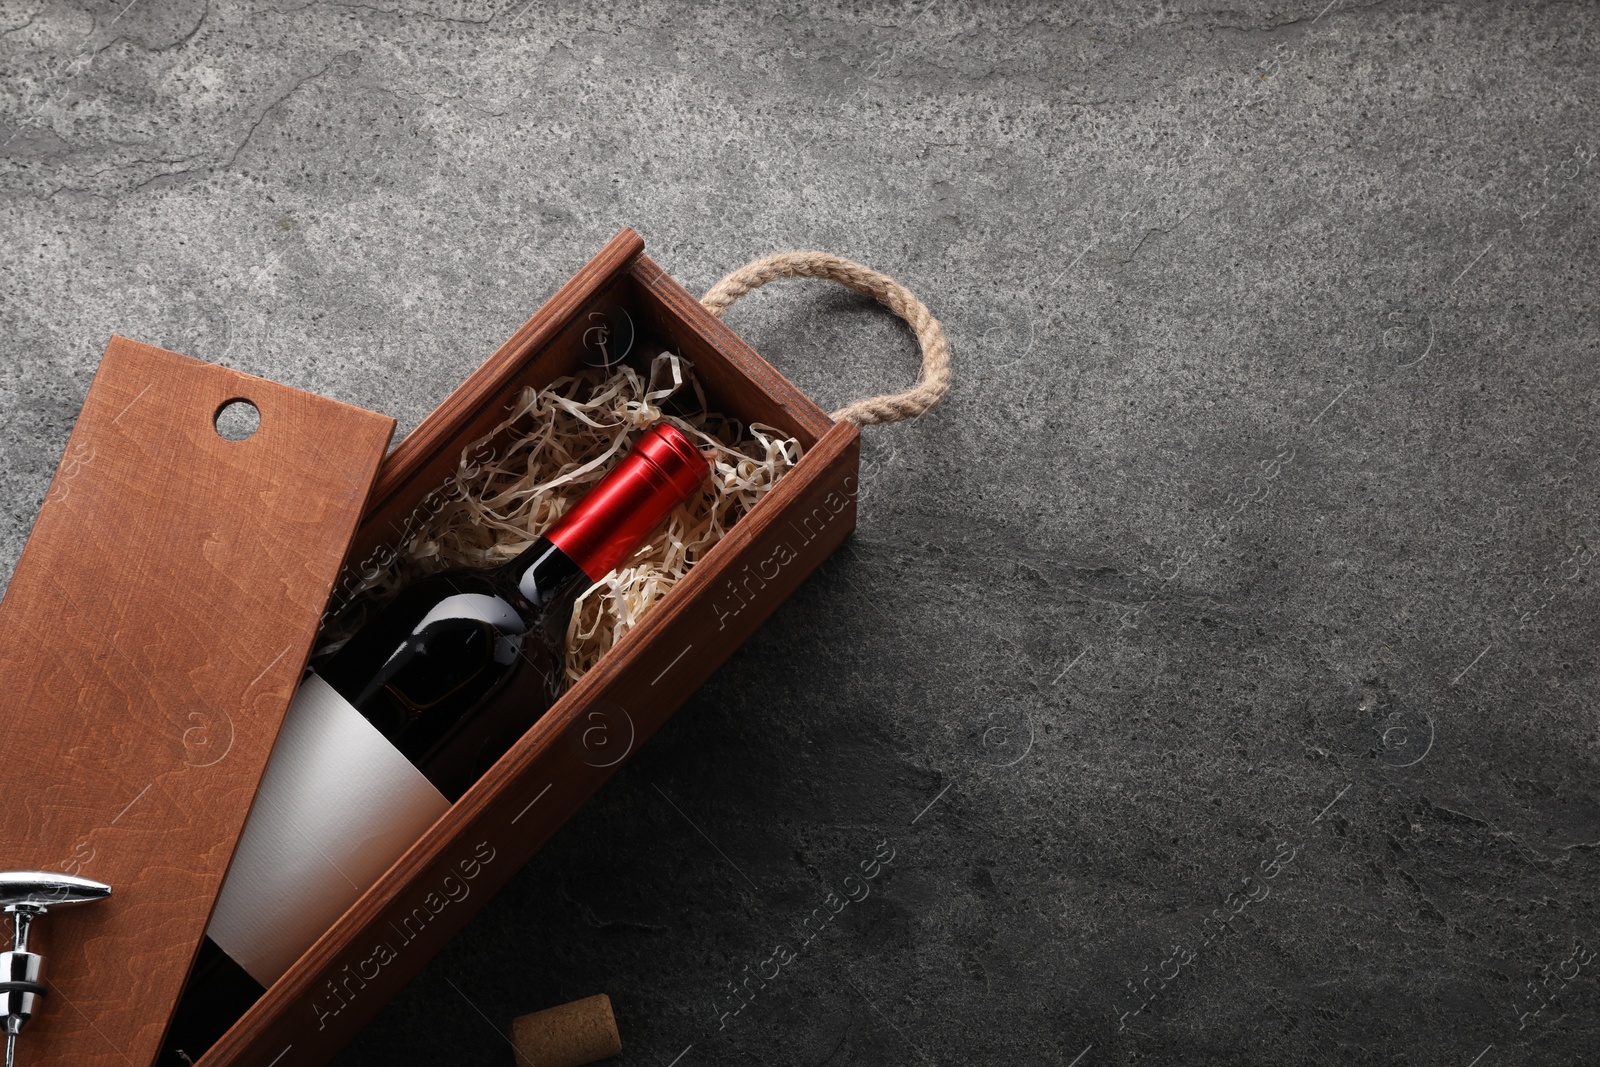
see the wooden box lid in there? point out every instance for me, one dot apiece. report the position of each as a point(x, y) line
point(151, 638)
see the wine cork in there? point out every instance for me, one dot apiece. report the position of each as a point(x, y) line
point(569, 1035)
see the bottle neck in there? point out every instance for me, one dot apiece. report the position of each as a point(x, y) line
point(544, 574)
point(604, 528)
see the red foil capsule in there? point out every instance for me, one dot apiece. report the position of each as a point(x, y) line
point(663, 470)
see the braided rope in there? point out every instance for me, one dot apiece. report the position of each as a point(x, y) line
point(934, 380)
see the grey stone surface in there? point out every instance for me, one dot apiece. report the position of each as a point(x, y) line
point(1247, 571)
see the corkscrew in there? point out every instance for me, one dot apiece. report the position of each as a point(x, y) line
point(25, 895)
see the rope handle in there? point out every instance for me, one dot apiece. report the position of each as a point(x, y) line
point(933, 382)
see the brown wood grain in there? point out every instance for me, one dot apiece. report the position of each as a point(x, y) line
point(151, 638)
point(387, 935)
point(736, 378)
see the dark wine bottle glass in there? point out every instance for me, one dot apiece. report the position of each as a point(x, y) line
point(457, 665)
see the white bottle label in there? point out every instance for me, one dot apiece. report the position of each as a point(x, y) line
point(337, 806)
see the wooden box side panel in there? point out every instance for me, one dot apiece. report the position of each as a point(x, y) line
point(387, 936)
point(735, 377)
point(150, 641)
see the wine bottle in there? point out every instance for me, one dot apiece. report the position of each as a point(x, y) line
point(457, 665)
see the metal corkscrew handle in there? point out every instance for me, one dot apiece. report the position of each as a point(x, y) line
point(24, 895)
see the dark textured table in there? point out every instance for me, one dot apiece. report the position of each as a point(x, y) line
point(1214, 669)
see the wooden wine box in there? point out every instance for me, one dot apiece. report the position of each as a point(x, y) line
point(171, 592)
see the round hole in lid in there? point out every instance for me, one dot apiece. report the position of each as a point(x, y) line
point(237, 420)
